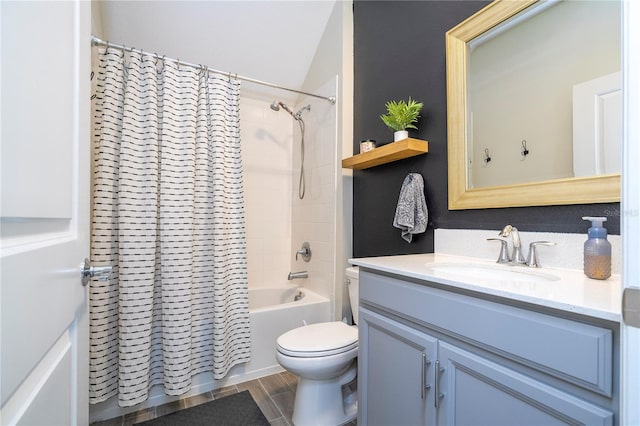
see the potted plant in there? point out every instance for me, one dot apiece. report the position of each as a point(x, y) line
point(401, 116)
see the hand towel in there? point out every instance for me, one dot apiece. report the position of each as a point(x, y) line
point(411, 213)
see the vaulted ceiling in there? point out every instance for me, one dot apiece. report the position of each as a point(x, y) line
point(268, 40)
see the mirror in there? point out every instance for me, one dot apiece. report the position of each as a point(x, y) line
point(494, 163)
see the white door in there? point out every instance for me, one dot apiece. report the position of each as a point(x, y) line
point(630, 208)
point(597, 126)
point(44, 212)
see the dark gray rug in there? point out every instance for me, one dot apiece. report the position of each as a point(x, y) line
point(238, 409)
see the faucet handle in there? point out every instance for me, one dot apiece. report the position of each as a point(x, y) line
point(503, 257)
point(305, 251)
point(532, 259)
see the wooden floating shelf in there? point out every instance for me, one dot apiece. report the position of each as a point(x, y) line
point(395, 151)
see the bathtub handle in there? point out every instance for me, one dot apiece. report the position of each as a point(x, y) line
point(305, 251)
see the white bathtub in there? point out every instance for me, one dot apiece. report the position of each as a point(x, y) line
point(273, 311)
point(276, 298)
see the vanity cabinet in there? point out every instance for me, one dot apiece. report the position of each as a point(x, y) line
point(395, 362)
point(430, 356)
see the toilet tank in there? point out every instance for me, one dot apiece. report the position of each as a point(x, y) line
point(352, 278)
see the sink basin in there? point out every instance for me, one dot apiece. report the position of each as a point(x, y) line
point(496, 272)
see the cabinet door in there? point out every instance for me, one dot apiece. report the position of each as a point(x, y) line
point(395, 373)
point(476, 391)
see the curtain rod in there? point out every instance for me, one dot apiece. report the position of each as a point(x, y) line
point(99, 42)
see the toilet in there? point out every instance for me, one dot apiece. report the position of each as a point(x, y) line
point(323, 356)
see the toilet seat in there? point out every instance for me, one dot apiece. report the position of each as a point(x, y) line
point(318, 340)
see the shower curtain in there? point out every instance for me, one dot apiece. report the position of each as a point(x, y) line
point(168, 215)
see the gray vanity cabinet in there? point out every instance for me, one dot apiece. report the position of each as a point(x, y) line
point(396, 368)
point(429, 356)
point(477, 391)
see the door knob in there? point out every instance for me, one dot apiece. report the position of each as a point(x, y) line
point(87, 272)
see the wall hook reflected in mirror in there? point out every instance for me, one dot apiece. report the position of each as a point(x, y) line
point(524, 151)
point(487, 157)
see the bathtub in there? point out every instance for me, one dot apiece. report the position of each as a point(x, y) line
point(273, 311)
point(276, 298)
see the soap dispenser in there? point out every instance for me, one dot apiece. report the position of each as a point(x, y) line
point(597, 250)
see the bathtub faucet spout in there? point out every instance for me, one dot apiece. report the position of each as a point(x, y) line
point(297, 275)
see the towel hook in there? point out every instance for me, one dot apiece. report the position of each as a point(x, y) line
point(487, 157)
point(524, 151)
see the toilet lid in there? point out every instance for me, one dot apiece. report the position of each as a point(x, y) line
point(326, 338)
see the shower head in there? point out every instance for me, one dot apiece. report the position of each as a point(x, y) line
point(276, 105)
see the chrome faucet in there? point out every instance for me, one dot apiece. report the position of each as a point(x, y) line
point(517, 256)
point(297, 275)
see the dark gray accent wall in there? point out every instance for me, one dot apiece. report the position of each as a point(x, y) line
point(400, 52)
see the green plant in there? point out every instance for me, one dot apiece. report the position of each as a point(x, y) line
point(402, 115)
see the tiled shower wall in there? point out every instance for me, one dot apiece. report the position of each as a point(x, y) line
point(314, 217)
point(277, 221)
point(266, 156)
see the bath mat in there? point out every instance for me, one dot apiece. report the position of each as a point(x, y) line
point(238, 409)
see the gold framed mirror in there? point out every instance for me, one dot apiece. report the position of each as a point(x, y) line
point(601, 188)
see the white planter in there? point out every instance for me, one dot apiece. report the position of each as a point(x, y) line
point(400, 134)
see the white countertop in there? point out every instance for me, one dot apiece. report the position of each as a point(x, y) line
point(570, 290)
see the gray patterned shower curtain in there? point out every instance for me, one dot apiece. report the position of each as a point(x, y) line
point(168, 214)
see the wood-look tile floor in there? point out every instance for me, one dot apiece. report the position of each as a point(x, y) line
point(274, 395)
